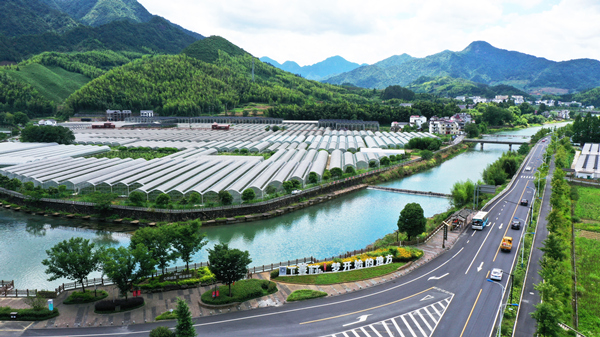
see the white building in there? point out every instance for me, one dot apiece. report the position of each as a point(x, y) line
point(146, 113)
point(461, 98)
point(586, 162)
point(417, 120)
point(518, 99)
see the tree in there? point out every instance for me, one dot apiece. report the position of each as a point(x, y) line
point(225, 197)
point(288, 186)
point(163, 200)
point(326, 175)
point(350, 170)
point(74, 259)
point(35, 302)
point(426, 154)
point(472, 130)
point(547, 317)
point(554, 247)
point(159, 241)
point(228, 265)
point(313, 178)
point(523, 149)
point(411, 220)
point(385, 161)
point(195, 198)
point(102, 201)
point(248, 195)
point(137, 198)
point(462, 193)
point(185, 325)
point(126, 266)
point(188, 240)
point(337, 172)
point(20, 118)
point(47, 134)
point(275, 128)
point(271, 189)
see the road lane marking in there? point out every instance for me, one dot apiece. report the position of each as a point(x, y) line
point(502, 224)
point(417, 324)
point(424, 320)
point(488, 274)
point(511, 219)
point(397, 327)
point(486, 237)
point(368, 309)
point(471, 313)
point(437, 277)
point(480, 267)
point(408, 326)
point(360, 320)
point(431, 316)
point(473, 233)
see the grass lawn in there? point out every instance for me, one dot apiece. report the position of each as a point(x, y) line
point(588, 279)
point(54, 83)
point(592, 226)
point(343, 277)
point(78, 297)
point(166, 315)
point(588, 205)
point(242, 291)
point(305, 294)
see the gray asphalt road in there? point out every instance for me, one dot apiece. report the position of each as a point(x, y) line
point(454, 284)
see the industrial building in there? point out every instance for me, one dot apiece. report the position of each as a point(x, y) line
point(586, 163)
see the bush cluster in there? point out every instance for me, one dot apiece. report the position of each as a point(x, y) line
point(27, 314)
point(200, 276)
point(110, 305)
point(242, 291)
point(77, 297)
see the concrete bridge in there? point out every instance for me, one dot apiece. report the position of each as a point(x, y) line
point(398, 190)
point(498, 140)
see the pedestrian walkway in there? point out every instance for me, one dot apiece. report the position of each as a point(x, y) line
point(83, 315)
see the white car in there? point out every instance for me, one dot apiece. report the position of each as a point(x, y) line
point(294, 192)
point(528, 168)
point(496, 274)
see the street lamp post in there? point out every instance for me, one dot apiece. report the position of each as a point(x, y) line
point(500, 307)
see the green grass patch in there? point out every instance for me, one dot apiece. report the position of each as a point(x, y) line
point(78, 297)
point(588, 205)
point(589, 226)
point(588, 287)
point(343, 277)
point(27, 314)
point(52, 82)
point(305, 294)
point(242, 291)
point(166, 315)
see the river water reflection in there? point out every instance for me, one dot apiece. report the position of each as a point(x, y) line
point(347, 223)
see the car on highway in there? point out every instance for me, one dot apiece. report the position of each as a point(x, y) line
point(528, 168)
point(506, 244)
point(294, 192)
point(543, 140)
point(496, 274)
point(524, 202)
point(516, 224)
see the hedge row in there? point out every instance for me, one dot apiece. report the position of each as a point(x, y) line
point(242, 291)
point(110, 305)
point(27, 314)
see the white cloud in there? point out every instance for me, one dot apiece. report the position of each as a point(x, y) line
point(308, 31)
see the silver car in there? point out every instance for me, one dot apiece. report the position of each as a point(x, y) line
point(496, 274)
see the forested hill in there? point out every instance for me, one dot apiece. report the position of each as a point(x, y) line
point(30, 17)
point(98, 12)
point(452, 87)
point(184, 86)
point(207, 49)
point(483, 63)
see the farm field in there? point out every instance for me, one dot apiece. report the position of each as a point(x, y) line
point(588, 205)
point(54, 83)
point(588, 278)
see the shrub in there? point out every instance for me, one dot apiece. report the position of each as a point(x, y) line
point(350, 170)
point(305, 294)
point(110, 305)
point(137, 198)
point(166, 315)
point(242, 291)
point(161, 331)
point(77, 297)
point(274, 273)
point(163, 200)
point(248, 194)
point(27, 314)
point(426, 154)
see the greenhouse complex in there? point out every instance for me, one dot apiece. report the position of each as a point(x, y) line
point(297, 150)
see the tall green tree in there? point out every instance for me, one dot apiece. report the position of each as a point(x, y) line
point(228, 264)
point(160, 242)
point(411, 220)
point(248, 195)
point(47, 134)
point(185, 325)
point(126, 266)
point(547, 317)
point(73, 259)
point(225, 197)
point(188, 240)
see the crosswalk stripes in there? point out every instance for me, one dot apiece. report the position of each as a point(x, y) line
point(527, 177)
point(418, 323)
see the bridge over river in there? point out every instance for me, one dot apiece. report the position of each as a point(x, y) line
point(398, 190)
point(499, 139)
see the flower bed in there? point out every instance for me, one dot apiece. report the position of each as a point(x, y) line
point(200, 276)
point(242, 291)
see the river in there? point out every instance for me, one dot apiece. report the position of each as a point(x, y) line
point(346, 223)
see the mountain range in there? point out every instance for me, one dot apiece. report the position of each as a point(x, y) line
point(29, 27)
point(479, 62)
point(319, 71)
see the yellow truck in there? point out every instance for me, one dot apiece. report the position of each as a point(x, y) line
point(506, 244)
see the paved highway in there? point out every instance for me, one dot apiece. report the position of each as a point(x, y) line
point(447, 297)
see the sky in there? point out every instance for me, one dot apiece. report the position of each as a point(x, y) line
point(309, 31)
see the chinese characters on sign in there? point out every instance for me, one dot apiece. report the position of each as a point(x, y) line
point(306, 269)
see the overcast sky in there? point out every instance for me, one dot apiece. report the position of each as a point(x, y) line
point(309, 31)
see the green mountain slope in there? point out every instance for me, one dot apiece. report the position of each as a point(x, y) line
point(19, 17)
point(184, 86)
point(52, 82)
point(452, 87)
point(19, 96)
point(156, 35)
point(98, 12)
point(207, 49)
point(481, 62)
point(588, 97)
point(394, 61)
